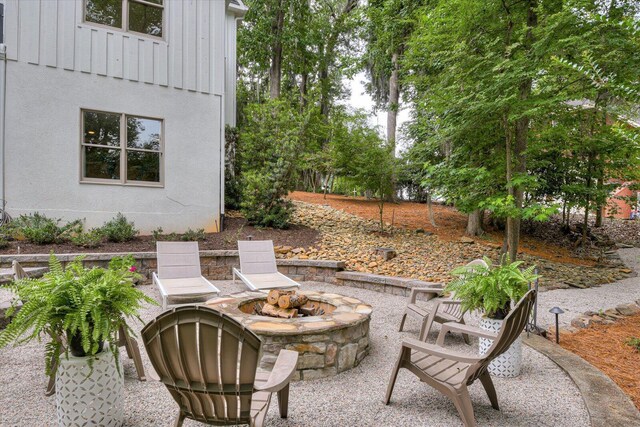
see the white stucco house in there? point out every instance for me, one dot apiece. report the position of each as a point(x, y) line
point(111, 106)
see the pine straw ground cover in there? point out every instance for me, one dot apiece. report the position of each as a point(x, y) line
point(607, 347)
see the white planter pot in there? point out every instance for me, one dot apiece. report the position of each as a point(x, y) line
point(89, 398)
point(509, 363)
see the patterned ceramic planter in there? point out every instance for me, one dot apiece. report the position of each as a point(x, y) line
point(509, 363)
point(89, 398)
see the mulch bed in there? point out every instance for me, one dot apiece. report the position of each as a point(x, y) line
point(605, 346)
point(451, 224)
point(235, 229)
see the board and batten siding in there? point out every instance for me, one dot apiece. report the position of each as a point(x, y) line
point(191, 56)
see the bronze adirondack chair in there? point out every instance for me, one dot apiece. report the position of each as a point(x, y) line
point(444, 310)
point(450, 372)
point(208, 362)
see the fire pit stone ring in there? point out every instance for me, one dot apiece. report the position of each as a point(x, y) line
point(328, 344)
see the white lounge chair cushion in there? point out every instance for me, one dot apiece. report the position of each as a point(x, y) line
point(187, 286)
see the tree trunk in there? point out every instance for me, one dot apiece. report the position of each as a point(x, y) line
point(328, 57)
point(275, 72)
point(474, 223)
point(381, 209)
point(585, 224)
point(394, 103)
point(432, 218)
point(520, 145)
point(599, 206)
point(304, 78)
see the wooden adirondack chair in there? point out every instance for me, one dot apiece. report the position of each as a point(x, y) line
point(208, 362)
point(444, 310)
point(450, 372)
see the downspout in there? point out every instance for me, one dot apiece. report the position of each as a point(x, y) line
point(3, 92)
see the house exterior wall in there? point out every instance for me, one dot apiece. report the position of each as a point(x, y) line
point(58, 65)
point(231, 72)
point(617, 205)
point(190, 57)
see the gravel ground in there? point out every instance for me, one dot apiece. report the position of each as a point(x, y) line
point(541, 396)
point(575, 302)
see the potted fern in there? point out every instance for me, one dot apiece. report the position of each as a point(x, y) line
point(491, 289)
point(81, 310)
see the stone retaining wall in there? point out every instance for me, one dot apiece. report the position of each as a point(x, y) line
point(216, 265)
point(386, 284)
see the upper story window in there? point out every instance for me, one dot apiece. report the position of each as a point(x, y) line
point(121, 149)
point(140, 16)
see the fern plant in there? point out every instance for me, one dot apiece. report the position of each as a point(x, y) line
point(491, 289)
point(86, 306)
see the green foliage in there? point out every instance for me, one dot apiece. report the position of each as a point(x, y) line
point(41, 230)
point(188, 236)
point(4, 243)
point(158, 235)
point(194, 235)
point(262, 201)
point(92, 303)
point(119, 229)
point(361, 157)
point(232, 174)
point(490, 289)
point(271, 141)
point(88, 239)
point(634, 342)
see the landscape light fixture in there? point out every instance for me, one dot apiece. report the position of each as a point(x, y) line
point(557, 311)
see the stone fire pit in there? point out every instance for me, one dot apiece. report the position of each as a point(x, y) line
point(328, 344)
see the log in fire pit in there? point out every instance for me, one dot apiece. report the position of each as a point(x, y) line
point(288, 304)
point(330, 331)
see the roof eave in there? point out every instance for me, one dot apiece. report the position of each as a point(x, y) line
point(237, 7)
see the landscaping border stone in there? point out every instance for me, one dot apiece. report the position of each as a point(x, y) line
point(216, 265)
point(605, 317)
point(375, 282)
point(606, 403)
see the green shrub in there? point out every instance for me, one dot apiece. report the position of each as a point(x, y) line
point(261, 206)
point(194, 235)
point(271, 141)
point(634, 342)
point(88, 239)
point(37, 228)
point(158, 235)
point(4, 243)
point(119, 229)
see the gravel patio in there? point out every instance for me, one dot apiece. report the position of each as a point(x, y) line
point(542, 396)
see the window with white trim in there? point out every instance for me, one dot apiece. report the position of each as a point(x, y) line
point(139, 16)
point(121, 149)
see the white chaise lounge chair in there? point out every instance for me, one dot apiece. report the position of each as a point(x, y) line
point(179, 274)
point(258, 266)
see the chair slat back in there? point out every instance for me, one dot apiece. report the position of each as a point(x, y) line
point(454, 310)
point(512, 326)
point(178, 260)
point(257, 257)
point(206, 360)
point(18, 271)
